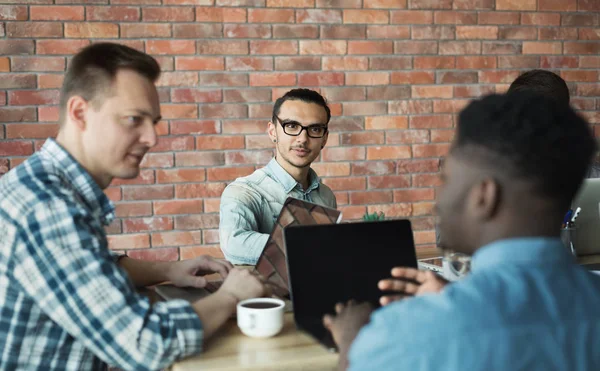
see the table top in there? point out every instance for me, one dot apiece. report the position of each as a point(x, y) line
point(289, 350)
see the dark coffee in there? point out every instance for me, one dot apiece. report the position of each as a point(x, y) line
point(260, 305)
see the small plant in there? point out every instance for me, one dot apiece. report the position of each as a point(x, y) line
point(374, 217)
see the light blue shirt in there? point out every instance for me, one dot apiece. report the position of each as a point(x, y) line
point(526, 305)
point(250, 207)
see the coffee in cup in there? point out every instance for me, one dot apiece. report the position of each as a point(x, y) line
point(260, 317)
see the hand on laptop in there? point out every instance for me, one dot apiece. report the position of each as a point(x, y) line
point(188, 273)
point(243, 284)
point(345, 325)
point(410, 282)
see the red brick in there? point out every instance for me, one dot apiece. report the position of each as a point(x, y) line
point(91, 30)
point(364, 138)
point(228, 173)
point(370, 47)
point(34, 29)
point(589, 19)
point(321, 79)
point(219, 142)
point(162, 47)
point(320, 16)
point(11, 114)
point(389, 181)
point(273, 47)
point(373, 168)
point(459, 47)
point(426, 180)
point(8, 47)
point(371, 197)
point(589, 62)
point(147, 224)
point(50, 81)
point(343, 153)
point(433, 63)
point(386, 4)
point(449, 106)
point(430, 150)
point(413, 77)
point(4, 64)
point(179, 143)
point(540, 19)
point(164, 14)
point(244, 127)
point(345, 63)
point(16, 148)
point(129, 241)
point(272, 79)
point(431, 91)
point(407, 137)
point(180, 175)
point(179, 111)
point(365, 16)
point(388, 32)
point(246, 31)
point(14, 13)
point(248, 157)
point(246, 95)
point(444, 136)
point(32, 97)
point(557, 5)
point(147, 30)
point(211, 205)
point(388, 152)
point(536, 47)
point(284, 31)
point(518, 33)
point(249, 64)
point(473, 4)
point(344, 94)
point(134, 44)
point(331, 169)
point(433, 32)
point(418, 166)
point(271, 16)
point(157, 160)
point(186, 95)
point(163, 255)
point(177, 238)
point(476, 32)
point(430, 4)
point(345, 31)
point(364, 108)
point(589, 34)
point(451, 77)
point(113, 13)
point(353, 212)
point(496, 77)
point(199, 190)
point(367, 78)
point(129, 209)
point(199, 63)
point(346, 184)
point(222, 15)
point(323, 47)
point(559, 62)
point(415, 47)
point(414, 195)
point(423, 208)
point(339, 3)
point(516, 4)
point(582, 48)
point(475, 62)
point(17, 81)
point(583, 76)
point(558, 33)
point(48, 113)
point(431, 121)
point(452, 17)
point(499, 18)
point(411, 17)
point(588, 90)
point(177, 79)
point(390, 63)
point(405, 107)
point(192, 252)
point(263, 111)
point(68, 47)
point(338, 124)
point(56, 13)
point(501, 48)
point(230, 47)
point(589, 5)
point(386, 123)
point(31, 131)
point(174, 207)
point(583, 103)
point(258, 142)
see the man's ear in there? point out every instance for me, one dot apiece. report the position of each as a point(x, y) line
point(485, 198)
point(272, 131)
point(76, 110)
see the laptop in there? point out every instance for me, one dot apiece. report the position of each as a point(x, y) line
point(587, 235)
point(272, 263)
point(334, 263)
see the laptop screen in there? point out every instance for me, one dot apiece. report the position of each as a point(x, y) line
point(328, 264)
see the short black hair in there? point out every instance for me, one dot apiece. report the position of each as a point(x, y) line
point(542, 82)
point(93, 69)
point(304, 95)
point(530, 137)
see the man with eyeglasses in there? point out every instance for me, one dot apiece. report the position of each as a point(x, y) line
point(250, 205)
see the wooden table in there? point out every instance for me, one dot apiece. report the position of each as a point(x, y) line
point(290, 350)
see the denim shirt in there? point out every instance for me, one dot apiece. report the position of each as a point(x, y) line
point(250, 207)
point(526, 305)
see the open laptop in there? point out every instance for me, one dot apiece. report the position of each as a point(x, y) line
point(328, 264)
point(271, 263)
point(587, 235)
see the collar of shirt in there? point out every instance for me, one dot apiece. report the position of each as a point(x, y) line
point(287, 181)
point(80, 179)
point(521, 251)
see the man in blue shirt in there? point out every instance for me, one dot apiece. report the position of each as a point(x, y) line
point(515, 164)
point(250, 205)
point(66, 302)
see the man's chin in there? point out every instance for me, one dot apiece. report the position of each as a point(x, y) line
point(129, 173)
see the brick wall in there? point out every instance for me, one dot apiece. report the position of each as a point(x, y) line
point(395, 72)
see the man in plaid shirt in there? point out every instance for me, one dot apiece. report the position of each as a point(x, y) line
point(66, 302)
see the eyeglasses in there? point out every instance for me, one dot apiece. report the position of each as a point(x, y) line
point(294, 128)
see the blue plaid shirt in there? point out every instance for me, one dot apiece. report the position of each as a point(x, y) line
point(64, 302)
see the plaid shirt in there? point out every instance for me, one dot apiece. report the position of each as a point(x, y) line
point(64, 302)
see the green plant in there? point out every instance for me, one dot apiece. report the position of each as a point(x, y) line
point(374, 217)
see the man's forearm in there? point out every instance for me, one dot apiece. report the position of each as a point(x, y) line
point(145, 273)
point(214, 310)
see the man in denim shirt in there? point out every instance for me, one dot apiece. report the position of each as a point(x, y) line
point(250, 205)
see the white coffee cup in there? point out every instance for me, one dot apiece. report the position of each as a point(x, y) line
point(260, 317)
